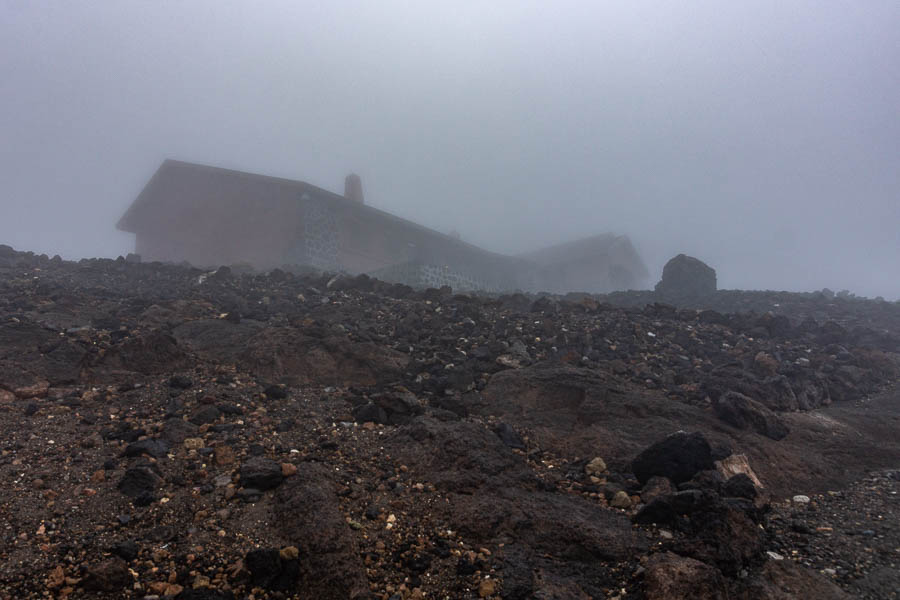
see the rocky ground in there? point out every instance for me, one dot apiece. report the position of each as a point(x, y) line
point(169, 432)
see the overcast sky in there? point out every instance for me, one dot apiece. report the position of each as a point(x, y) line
point(762, 136)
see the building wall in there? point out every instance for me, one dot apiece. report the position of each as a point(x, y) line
point(210, 217)
point(209, 221)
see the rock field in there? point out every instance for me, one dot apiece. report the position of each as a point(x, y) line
point(169, 432)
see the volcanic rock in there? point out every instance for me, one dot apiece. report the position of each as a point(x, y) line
point(269, 570)
point(307, 509)
point(139, 481)
point(261, 473)
point(111, 575)
point(740, 486)
point(670, 577)
point(784, 579)
point(685, 277)
point(150, 447)
point(678, 457)
point(481, 476)
point(742, 412)
point(509, 436)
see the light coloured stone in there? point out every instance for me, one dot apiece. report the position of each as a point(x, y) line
point(621, 500)
point(735, 464)
point(487, 588)
point(595, 467)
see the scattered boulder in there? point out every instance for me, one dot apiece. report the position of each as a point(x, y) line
point(271, 569)
point(743, 412)
point(370, 413)
point(180, 382)
point(737, 464)
point(111, 575)
point(669, 507)
point(685, 277)
point(399, 406)
point(139, 481)
point(175, 430)
point(276, 392)
point(596, 467)
point(127, 550)
point(672, 577)
point(678, 457)
point(151, 447)
point(261, 474)
point(740, 486)
point(621, 500)
point(205, 414)
point(655, 487)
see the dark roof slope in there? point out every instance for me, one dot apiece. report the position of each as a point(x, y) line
point(143, 204)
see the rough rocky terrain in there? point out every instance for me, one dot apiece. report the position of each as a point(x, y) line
point(169, 432)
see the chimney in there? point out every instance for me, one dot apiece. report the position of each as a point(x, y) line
point(353, 188)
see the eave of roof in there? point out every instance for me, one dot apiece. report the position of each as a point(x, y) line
point(126, 222)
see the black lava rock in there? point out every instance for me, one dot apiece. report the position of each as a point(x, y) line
point(678, 457)
point(686, 277)
point(180, 382)
point(275, 392)
point(666, 509)
point(270, 571)
point(370, 412)
point(509, 436)
point(206, 414)
point(154, 448)
point(137, 481)
point(261, 473)
point(127, 550)
point(740, 486)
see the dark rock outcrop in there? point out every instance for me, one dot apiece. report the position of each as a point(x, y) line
point(307, 509)
point(685, 278)
point(742, 412)
point(678, 457)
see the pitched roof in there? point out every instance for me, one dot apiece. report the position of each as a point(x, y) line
point(143, 203)
point(587, 248)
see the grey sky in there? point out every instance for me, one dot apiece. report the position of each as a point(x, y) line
point(762, 137)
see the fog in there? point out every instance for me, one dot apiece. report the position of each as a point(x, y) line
point(762, 137)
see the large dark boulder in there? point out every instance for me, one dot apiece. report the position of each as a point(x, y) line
point(678, 457)
point(685, 277)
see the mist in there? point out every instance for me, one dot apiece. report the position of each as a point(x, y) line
point(762, 138)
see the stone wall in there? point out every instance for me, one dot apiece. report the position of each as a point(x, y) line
point(421, 275)
point(320, 232)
